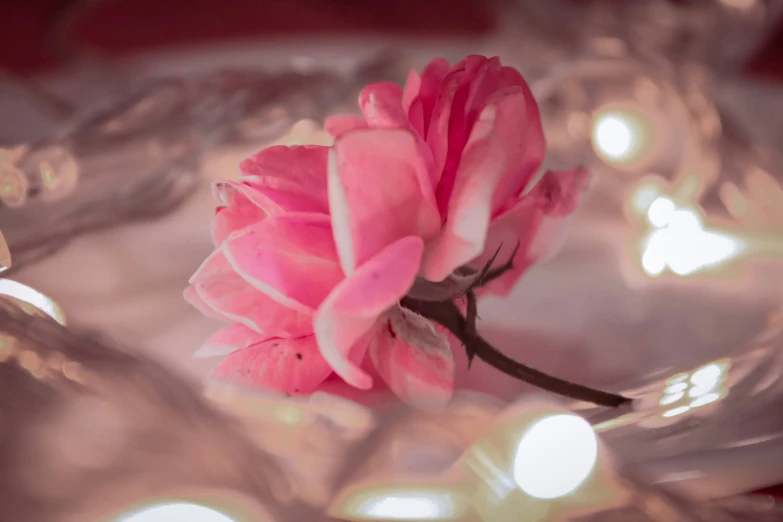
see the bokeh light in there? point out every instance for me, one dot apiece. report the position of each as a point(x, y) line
point(620, 137)
point(555, 456)
point(614, 136)
point(679, 242)
point(422, 505)
point(27, 296)
point(687, 391)
point(175, 512)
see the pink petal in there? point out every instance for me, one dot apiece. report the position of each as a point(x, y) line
point(469, 212)
point(442, 135)
point(379, 191)
point(414, 360)
point(519, 224)
point(290, 258)
point(563, 190)
point(242, 206)
point(193, 299)
point(486, 82)
point(292, 177)
point(538, 221)
point(215, 266)
point(495, 167)
point(519, 130)
point(431, 86)
point(411, 90)
point(342, 123)
point(229, 297)
point(381, 105)
point(292, 366)
point(345, 318)
point(228, 340)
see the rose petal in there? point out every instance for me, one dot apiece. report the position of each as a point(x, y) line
point(292, 366)
point(221, 293)
point(411, 90)
point(242, 206)
point(228, 340)
point(431, 85)
point(292, 177)
point(342, 123)
point(519, 224)
point(379, 191)
point(348, 314)
point(538, 221)
point(519, 130)
point(563, 190)
point(414, 360)
point(486, 82)
point(381, 104)
point(464, 233)
point(443, 136)
point(290, 258)
point(193, 299)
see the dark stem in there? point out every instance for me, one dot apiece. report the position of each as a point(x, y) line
point(447, 314)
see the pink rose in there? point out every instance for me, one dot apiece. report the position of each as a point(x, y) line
point(316, 246)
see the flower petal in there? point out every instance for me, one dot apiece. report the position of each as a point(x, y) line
point(381, 104)
point(443, 135)
point(292, 177)
point(290, 258)
point(563, 190)
point(228, 340)
point(414, 360)
point(522, 137)
point(221, 293)
point(469, 212)
point(342, 123)
point(193, 299)
point(431, 85)
point(344, 319)
point(242, 206)
point(292, 366)
point(379, 191)
point(495, 166)
point(538, 221)
point(411, 90)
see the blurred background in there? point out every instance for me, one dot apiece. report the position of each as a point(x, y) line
point(116, 111)
point(116, 116)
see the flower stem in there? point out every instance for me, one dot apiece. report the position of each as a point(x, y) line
point(447, 314)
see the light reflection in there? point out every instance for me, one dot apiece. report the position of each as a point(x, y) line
point(706, 399)
point(26, 295)
point(676, 379)
point(677, 387)
point(555, 456)
point(614, 136)
point(679, 410)
point(671, 398)
point(708, 376)
point(704, 385)
point(176, 512)
point(620, 136)
point(679, 242)
point(408, 506)
point(661, 211)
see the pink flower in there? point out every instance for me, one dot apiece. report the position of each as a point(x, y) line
point(316, 246)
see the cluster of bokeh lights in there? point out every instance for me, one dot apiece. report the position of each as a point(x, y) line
point(685, 391)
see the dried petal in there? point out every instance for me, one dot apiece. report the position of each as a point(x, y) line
point(414, 360)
